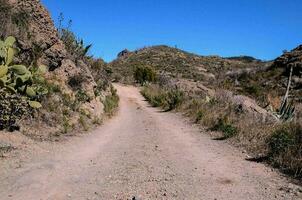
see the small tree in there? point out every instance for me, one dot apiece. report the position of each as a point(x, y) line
point(144, 74)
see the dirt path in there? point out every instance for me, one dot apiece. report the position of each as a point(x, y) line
point(141, 153)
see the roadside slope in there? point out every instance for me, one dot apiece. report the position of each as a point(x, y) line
point(142, 153)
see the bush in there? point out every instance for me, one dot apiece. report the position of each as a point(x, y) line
point(280, 141)
point(81, 96)
point(285, 148)
point(174, 98)
point(144, 74)
point(12, 108)
point(111, 102)
point(167, 99)
point(226, 127)
point(199, 116)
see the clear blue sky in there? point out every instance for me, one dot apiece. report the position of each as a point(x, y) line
point(260, 28)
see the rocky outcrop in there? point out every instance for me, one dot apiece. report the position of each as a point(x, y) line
point(125, 52)
point(40, 38)
point(292, 59)
point(39, 41)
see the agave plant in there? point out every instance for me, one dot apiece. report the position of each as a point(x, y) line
point(287, 110)
point(19, 78)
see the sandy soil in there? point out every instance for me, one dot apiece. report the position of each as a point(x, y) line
point(141, 153)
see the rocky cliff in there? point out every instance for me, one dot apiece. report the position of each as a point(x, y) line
point(75, 100)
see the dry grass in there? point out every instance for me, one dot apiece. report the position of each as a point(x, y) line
point(243, 129)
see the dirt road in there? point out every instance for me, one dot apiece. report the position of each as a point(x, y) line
point(141, 153)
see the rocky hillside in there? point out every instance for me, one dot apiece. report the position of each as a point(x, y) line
point(236, 98)
point(263, 81)
point(78, 89)
point(180, 64)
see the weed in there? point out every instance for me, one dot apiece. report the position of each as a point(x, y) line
point(227, 128)
point(111, 102)
point(199, 116)
point(97, 121)
point(66, 125)
point(167, 99)
point(83, 122)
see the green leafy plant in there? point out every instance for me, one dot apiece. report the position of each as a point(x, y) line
point(19, 78)
point(286, 110)
point(21, 87)
point(144, 74)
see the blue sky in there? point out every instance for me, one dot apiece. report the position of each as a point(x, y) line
point(259, 28)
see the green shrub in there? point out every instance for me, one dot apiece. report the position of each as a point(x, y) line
point(167, 99)
point(199, 116)
point(144, 74)
point(285, 148)
point(82, 96)
point(252, 89)
point(227, 128)
point(280, 140)
point(12, 108)
point(174, 98)
point(111, 102)
point(102, 85)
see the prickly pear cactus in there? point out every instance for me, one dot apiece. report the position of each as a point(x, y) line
point(18, 85)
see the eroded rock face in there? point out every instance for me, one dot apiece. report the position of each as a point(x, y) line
point(125, 52)
point(38, 40)
point(39, 36)
point(292, 57)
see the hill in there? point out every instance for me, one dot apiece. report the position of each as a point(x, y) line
point(178, 63)
point(240, 97)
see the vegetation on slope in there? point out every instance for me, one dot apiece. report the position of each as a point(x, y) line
point(70, 96)
point(219, 93)
point(279, 144)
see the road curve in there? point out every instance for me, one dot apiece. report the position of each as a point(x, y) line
point(141, 153)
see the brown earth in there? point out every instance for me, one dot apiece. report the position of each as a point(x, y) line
point(142, 153)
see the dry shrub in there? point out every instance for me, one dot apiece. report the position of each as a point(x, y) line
point(281, 143)
point(285, 148)
point(169, 98)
